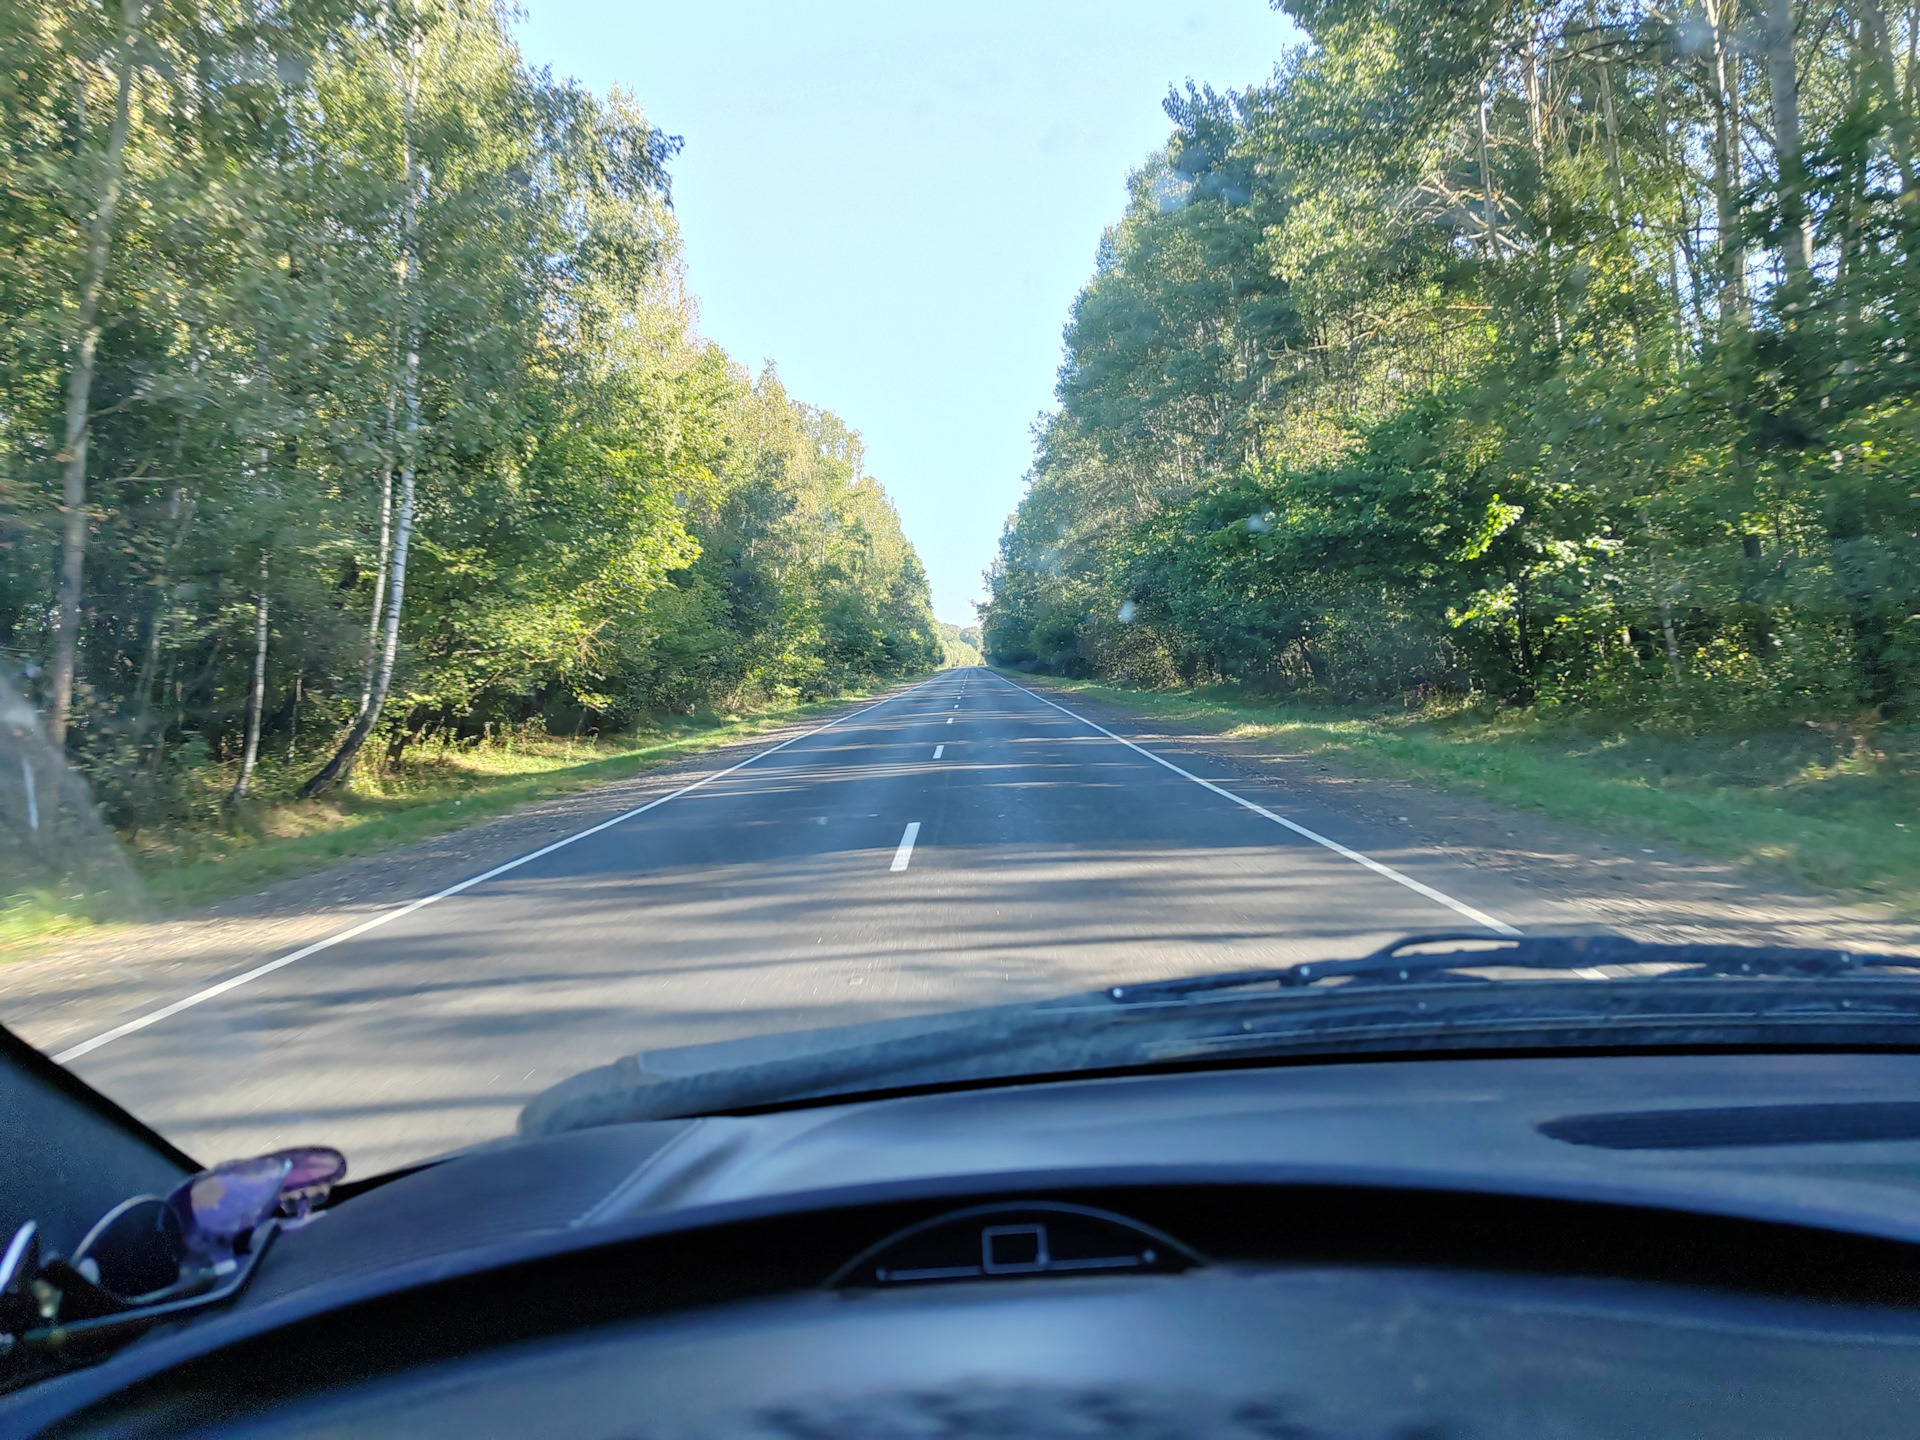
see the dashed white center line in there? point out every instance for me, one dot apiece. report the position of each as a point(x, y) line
point(936, 751)
point(905, 852)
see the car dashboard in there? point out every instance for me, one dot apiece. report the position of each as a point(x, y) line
point(1569, 1245)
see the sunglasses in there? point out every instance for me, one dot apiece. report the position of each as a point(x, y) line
point(151, 1257)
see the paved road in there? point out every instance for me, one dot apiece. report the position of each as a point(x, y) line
point(1045, 856)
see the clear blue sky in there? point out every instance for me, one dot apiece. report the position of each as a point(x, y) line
point(896, 202)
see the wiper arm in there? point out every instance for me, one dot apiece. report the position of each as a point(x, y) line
point(1389, 965)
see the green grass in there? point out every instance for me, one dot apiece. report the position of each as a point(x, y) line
point(1836, 807)
point(433, 790)
point(33, 918)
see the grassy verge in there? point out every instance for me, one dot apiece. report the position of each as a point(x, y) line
point(433, 790)
point(34, 919)
point(1837, 807)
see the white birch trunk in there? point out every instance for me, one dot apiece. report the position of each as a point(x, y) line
point(86, 340)
point(257, 695)
point(380, 572)
point(1783, 83)
point(341, 764)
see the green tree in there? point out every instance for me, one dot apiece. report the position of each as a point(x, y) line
point(1554, 351)
point(377, 377)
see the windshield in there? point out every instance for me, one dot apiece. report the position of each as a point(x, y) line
point(525, 537)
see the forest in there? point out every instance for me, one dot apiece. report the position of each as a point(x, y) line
point(1554, 354)
point(960, 643)
point(351, 396)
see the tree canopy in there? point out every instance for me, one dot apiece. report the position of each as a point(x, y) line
point(961, 644)
point(327, 314)
point(1557, 352)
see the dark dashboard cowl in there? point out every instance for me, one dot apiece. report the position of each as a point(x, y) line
point(1297, 1188)
point(1734, 1126)
point(463, 1203)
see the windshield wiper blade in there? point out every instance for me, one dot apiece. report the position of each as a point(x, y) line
point(1374, 1008)
point(1390, 965)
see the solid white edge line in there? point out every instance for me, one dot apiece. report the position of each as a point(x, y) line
point(234, 982)
point(904, 852)
point(1459, 907)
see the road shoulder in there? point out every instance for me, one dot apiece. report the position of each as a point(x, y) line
point(1586, 877)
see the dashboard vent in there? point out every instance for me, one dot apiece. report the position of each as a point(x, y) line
point(1736, 1125)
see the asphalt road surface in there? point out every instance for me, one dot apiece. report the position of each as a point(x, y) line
point(962, 842)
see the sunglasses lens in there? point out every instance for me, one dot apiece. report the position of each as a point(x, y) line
point(312, 1165)
point(218, 1206)
point(313, 1171)
point(134, 1250)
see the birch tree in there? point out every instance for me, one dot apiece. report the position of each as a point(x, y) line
point(111, 177)
point(393, 585)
